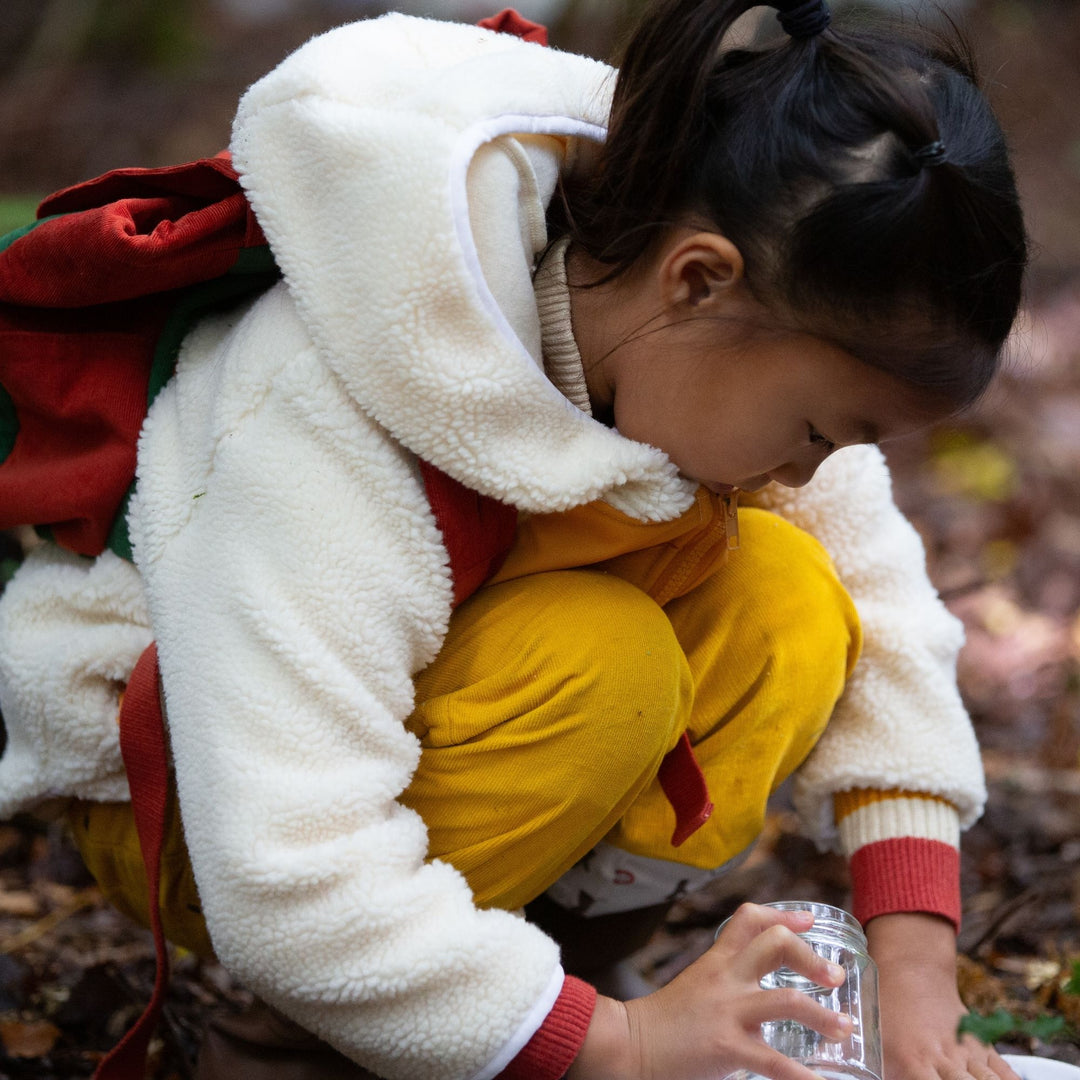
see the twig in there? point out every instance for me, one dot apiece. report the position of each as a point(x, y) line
point(1002, 917)
point(172, 1029)
point(83, 899)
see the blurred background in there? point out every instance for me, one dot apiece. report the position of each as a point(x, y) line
point(90, 85)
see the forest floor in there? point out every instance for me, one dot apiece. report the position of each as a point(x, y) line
point(996, 499)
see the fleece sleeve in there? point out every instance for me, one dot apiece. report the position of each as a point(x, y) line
point(900, 742)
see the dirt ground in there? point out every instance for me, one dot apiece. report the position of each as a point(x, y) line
point(996, 498)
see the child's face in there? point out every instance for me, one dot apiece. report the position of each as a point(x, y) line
point(734, 401)
point(770, 407)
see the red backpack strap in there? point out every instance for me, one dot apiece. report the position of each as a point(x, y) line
point(508, 21)
point(477, 531)
point(684, 784)
point(143, 747)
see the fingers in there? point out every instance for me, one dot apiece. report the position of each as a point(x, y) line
point(960, 1070)
point(984, 1063)
point(779, 947)
point(765, 1061)
point(803, 1009)
point(750, 920)
point(767, 939)
point(1000, 1067)
point(965, 1060)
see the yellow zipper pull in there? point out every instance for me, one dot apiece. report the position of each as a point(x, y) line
point(731, 519)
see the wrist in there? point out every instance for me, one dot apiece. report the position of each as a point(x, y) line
point(607, 1050)
point(912, 938)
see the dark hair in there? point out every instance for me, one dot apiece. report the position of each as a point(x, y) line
point(806, 155)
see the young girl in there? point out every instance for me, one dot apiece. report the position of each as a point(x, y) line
point(513, 282)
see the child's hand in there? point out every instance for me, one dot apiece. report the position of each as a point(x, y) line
point(707, 1021)
point(920, 1004)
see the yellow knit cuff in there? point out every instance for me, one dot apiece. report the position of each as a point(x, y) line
point(867, 816)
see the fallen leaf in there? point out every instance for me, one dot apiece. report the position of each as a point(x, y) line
point(29, 1038)
point(1034, 970)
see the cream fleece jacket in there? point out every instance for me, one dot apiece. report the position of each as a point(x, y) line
point(295, 580)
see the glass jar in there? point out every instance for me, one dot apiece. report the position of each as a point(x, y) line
point(837, 936)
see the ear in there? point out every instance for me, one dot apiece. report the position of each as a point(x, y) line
point(699, 268)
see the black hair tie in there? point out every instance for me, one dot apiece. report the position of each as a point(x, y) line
point(933, 153)
point(802, 18)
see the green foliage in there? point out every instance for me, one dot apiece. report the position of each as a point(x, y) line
point(16, 211)
point(1001, 1023)
point(157, 33)
point(1072, 986)
point(1045, 1028)
point(988, 1028)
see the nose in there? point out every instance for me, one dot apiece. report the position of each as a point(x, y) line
point(794, 474)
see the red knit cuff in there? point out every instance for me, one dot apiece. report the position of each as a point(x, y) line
point(906, 874)
point(555, 1044)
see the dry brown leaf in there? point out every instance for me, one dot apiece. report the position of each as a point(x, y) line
point(1069, 1007)
point(11, 838)
point(28, 1038)
point(980, 991)
point(47, 923)
point(58, 895)
point(1035, 971)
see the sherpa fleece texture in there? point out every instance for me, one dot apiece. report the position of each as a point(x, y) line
point(71, 631)
point(296, 580)
point(900, 723)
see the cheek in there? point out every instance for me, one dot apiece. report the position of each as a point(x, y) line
point(702, 447)
point(646, 417)
point(690, 421)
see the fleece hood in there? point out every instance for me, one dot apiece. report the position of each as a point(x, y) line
point(371, 116)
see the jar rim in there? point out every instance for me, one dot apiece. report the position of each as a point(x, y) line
point(828, 919)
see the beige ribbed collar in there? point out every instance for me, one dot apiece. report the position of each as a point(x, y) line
point(562, 361)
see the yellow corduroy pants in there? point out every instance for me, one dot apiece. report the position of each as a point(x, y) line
point(558, 692)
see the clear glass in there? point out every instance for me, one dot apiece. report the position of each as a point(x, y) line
point(837, 936)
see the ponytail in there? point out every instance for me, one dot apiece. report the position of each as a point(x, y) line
point(657, 132)
point(862, 176)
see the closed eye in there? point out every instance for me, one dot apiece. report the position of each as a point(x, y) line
point(820, 440)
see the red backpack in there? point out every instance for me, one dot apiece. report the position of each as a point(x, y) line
point(95, 298)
